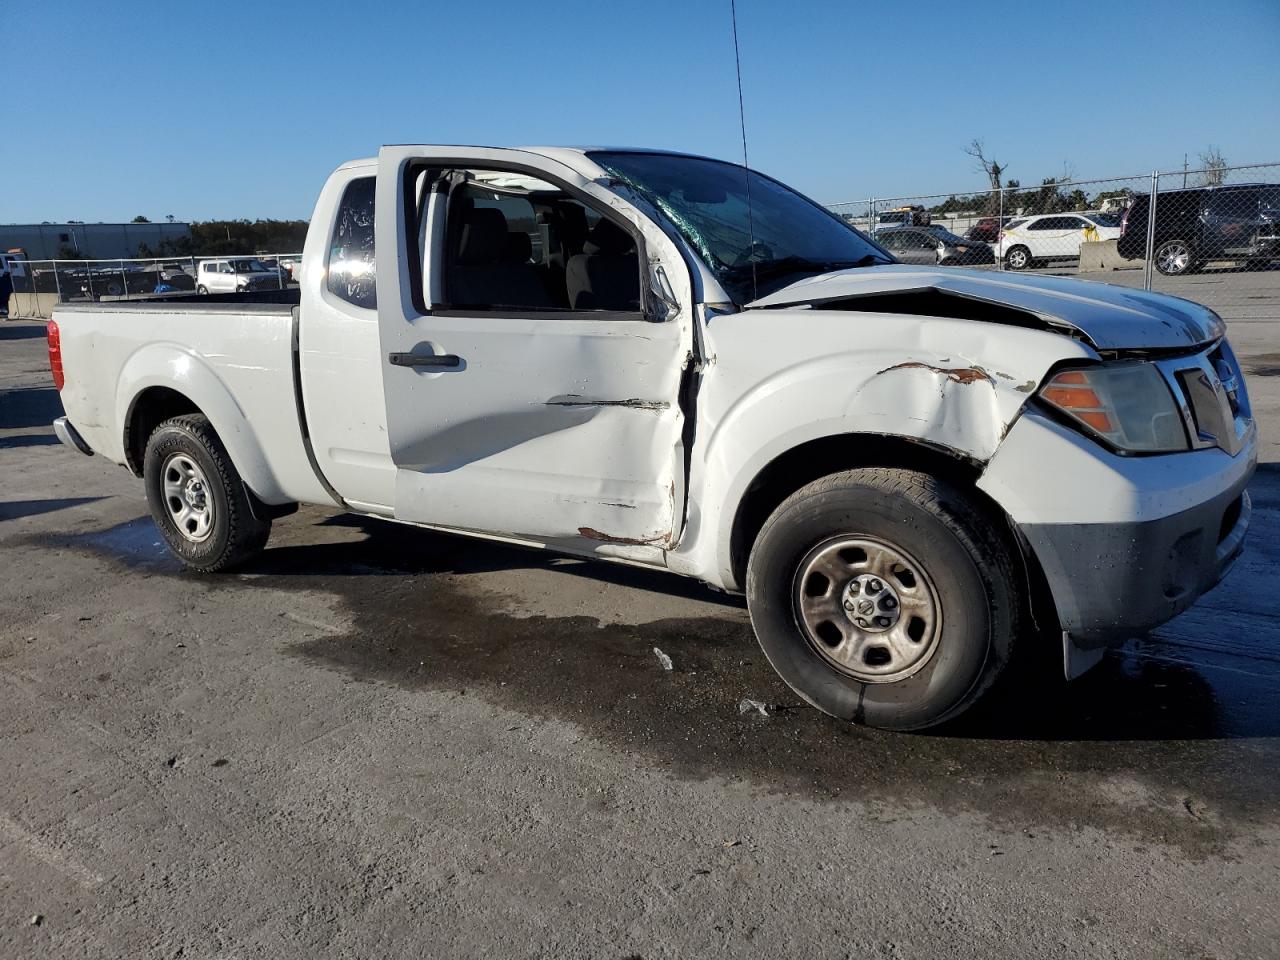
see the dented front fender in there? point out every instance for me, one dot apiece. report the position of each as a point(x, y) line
point(778, 379)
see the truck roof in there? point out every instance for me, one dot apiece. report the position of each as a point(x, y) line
point(575, 158)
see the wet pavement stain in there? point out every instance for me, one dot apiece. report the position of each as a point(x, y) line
point(1262, 365)
point(1158, 744)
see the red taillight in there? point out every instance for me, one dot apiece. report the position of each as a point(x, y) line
point(55, 356)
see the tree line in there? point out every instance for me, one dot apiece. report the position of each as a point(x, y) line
point(1053, 194)
point(216, 238)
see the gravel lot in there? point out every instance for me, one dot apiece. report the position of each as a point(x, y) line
point(383, 742)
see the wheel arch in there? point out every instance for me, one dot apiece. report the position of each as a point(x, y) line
point(163, 381)
point(809, 461)
point(148, 409)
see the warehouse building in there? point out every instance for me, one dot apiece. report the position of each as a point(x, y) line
point(87, 241)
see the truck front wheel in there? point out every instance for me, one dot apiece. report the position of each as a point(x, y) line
point(884, 596)
point(197, 498)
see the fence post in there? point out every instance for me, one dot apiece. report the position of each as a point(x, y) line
point(124, 281)
point(871, 216)
point(1000, 229)
point(1151, 229)
point(57, 282)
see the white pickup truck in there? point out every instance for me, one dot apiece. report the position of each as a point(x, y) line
point(916, 475)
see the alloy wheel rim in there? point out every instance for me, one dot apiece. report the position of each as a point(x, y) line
point(1173, 257)
point(187, 497)
point(868, 608)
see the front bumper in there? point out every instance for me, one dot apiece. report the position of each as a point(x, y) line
point(1125, 543)
point(1111, 581)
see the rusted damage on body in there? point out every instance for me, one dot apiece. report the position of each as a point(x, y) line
point(577, 400)
point(957, 374)
point(592, 534)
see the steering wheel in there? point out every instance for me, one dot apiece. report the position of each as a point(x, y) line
point(758, 251)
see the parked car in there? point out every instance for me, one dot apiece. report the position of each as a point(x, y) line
point(1052, 236)
point(1236, 222)
point(235, 275)
point(915, 215)
point(165, 278)
point(987, 230)
point(917, 477)
point(933, 245)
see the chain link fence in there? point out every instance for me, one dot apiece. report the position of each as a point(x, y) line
point(1141, 230)
point(1152, 231)
point(38, 285)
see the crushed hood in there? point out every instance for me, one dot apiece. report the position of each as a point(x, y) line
point(1107, 316)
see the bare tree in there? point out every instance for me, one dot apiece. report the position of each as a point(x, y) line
point(1214, 167)
point(991, 168)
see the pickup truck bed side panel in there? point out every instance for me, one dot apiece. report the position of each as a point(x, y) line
point(235, 365)
point(779, 378)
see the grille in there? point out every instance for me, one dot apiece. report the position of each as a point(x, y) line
point(1215, 402)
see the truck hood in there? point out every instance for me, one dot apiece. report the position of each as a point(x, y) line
point(1107, 316)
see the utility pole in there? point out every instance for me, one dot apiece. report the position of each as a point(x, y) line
point(1184, 171)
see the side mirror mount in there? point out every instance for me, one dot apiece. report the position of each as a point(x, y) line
point(662, 304)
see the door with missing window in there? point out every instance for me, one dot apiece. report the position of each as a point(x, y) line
point(529, 392)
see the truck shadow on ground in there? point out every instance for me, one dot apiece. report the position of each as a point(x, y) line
point(1190, 743)
point(29, 407)
point(22, 331)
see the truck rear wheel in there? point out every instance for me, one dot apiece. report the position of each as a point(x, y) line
point(197, 498)
point(885, 597)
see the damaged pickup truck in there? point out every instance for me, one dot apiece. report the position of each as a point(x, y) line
point(915, 475)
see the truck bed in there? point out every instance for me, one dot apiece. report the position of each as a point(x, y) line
point(231, 355)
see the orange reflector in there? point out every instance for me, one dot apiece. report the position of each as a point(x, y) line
point(1096, 419)
point(1072, 398)
point(1071, 376)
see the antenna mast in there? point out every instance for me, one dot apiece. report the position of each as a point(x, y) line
point(746, 171)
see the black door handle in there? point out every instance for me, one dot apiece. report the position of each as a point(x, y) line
point(424, 359)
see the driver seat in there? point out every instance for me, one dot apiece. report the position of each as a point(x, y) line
point(606, 275)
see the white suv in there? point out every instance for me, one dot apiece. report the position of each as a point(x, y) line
point(235, 275)
point(1053, 236)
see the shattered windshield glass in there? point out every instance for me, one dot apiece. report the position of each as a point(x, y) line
point(706, 200)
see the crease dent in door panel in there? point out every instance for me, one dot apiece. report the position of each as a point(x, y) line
point(477, 438)
point(577, 400)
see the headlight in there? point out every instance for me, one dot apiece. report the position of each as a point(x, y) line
point(1127, 404)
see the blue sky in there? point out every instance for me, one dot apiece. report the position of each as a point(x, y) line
point(115, 109)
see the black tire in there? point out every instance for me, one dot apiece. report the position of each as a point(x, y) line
point(963, 552)
point(1018, 258)
point(202, 289)
point(235, 533)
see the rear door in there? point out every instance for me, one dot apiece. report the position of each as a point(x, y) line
point(531, 388)
point(1047, 238)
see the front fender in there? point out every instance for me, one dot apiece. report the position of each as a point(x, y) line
point(179, 368)
point(955, 385)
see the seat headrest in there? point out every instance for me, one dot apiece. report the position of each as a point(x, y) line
point(608, 238)
point(484, 236)
point(519, 248)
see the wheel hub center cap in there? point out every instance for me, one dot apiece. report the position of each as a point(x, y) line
point(871, 603)
point(194, 494)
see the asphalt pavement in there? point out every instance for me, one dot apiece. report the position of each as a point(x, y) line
point(382, 742)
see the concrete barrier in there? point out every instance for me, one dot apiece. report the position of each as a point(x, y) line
point(1102, 255)
point(31, 306)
